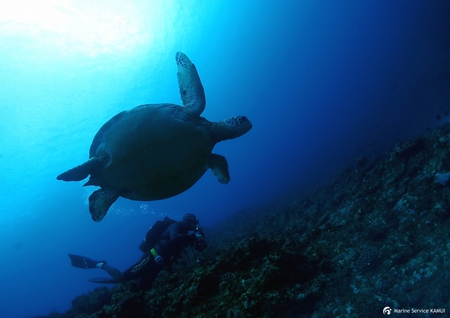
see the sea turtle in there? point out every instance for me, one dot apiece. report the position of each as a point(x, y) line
point(156, 151)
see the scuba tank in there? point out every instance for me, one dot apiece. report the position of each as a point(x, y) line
point(154, 234)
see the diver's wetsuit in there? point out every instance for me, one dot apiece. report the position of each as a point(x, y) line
point(169, 247)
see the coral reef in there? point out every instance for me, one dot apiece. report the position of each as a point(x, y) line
point(376, 236)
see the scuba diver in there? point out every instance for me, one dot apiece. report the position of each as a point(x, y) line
point(162, 247)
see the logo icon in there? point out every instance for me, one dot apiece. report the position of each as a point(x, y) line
point(387, 311)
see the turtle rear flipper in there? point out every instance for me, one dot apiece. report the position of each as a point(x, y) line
point(100, 201)
point(80, 172)
point(219, 167)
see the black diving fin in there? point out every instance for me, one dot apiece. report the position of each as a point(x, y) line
point(83, 262)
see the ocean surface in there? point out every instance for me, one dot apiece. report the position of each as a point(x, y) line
point(323, 82)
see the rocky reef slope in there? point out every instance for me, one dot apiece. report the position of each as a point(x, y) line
point(377, 236)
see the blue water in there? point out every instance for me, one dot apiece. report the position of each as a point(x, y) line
point(323, 83)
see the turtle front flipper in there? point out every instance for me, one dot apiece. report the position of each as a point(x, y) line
point(191, 88)
point(219, 166)
point(100, 201)
point(80, 172)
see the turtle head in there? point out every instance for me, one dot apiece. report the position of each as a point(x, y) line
point(232, 127)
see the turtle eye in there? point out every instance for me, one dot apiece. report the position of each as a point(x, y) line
point(183, 92)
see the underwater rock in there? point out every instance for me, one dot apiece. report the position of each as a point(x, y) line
point(443, 178)
point(408, 149)
point(376, 236)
